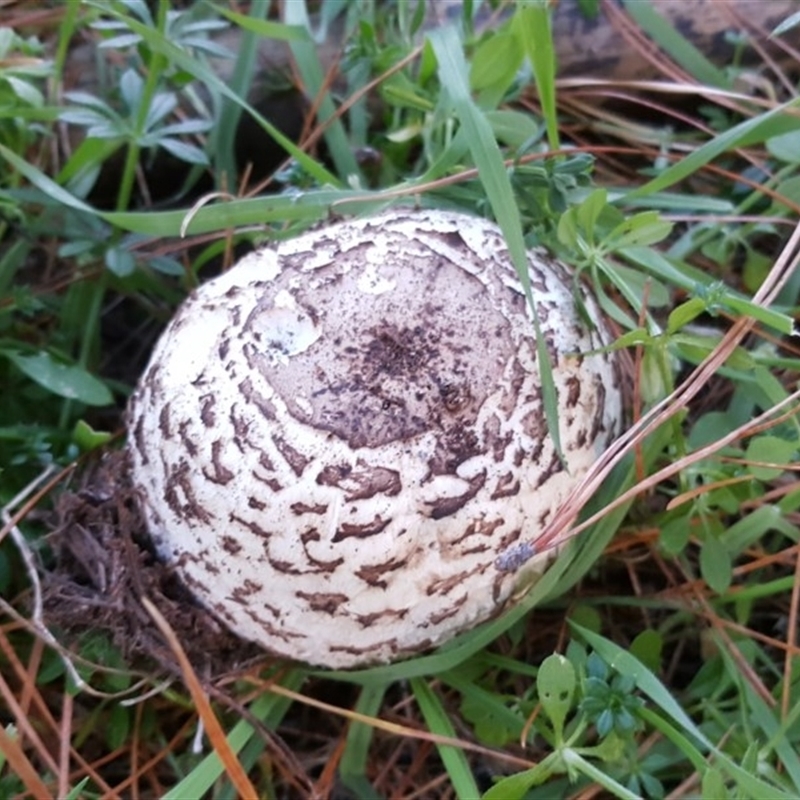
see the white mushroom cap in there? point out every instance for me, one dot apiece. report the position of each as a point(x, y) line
point(335, 440)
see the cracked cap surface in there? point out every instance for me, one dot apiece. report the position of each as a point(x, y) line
point(335, 440)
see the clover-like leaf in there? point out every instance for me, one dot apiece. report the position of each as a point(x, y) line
point(556, 683)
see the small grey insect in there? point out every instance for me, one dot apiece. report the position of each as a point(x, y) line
point(513, 558)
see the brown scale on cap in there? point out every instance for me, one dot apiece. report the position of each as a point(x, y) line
point(348, 429)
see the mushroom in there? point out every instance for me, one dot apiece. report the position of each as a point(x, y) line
point(340, 443)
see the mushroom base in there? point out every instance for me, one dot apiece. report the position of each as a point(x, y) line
point(103, 563)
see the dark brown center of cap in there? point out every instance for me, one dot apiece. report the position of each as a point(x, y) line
point(376, 353)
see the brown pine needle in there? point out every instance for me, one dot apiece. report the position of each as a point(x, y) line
point(216, 734)
point(22, 767)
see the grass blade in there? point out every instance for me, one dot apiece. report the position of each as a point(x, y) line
point(269, 708)
point(223, 135)
point(266, 28)
point(42, 182)
point(307, 59)
point(438, 722)
point(751, 131)
point(454, 76)
point(765, 718)
point(533, 26)
point(353, 765)
point(676, 45)
point(624, 662)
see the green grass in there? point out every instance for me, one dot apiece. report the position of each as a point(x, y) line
point(659, 655)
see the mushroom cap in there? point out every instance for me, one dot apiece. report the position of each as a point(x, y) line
point(337, 442)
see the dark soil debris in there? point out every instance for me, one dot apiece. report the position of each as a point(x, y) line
point(103, 564)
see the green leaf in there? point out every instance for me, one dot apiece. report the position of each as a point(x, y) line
point(118, 727)
point(694, 348)
point(568, 232)
point(77, 791)
point(186, 61)
point(787, 192)
point(656, 264)
point(515, 787)
point(86, 159)
point(87, 438)
point(637, 285)
point(588, 617)
point(268, 709)
point(495, 724)
point(747, 531)
point(120, 261)
point(65, 380)
point(26, 91)
point(131, 86)
point(487, 720)
point(684, 313)
point(647, 647)
point(644, 228)
point(785, 146)
point(399, 91)
point(512, 127)
point(90, 101)
point(715, 565)
point(576, 763)
point(675, 534)
point(588, 212)
point(183, 150)
point(783, 323)
point(555, 684)
point(771, 450)
point(657, 375)
point(223, 135)
point(265, 28)
point(713, 785)
point(776, 727)
point(495, 63)
point(627, 664)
